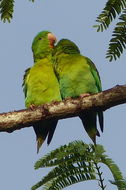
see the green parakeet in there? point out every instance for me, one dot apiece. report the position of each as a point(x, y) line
point(40, 84)
point(77, 75)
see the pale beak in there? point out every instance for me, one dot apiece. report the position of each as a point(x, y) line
point(52, 39)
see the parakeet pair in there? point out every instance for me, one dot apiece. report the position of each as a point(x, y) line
point(59, 72)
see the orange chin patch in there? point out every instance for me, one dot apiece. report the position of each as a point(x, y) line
point(52, 39)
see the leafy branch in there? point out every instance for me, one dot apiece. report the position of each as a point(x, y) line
point(6, 9)
point(109, 13)
point(117, 44)
point(74, 163)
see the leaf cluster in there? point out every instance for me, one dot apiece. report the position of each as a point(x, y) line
point(112, 9)
point(76, 162)
point(6, 9)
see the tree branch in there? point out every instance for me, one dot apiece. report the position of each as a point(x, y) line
point(68, 108)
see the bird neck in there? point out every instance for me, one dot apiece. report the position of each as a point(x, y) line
point(43, 54)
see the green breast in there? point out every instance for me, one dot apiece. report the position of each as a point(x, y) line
point(42, 84)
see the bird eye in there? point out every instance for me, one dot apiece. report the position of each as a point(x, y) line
point(40, 38)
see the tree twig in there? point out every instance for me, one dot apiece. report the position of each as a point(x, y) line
point(68, 108)
point(101, 180)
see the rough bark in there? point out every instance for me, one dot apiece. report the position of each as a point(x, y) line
point(68, 108)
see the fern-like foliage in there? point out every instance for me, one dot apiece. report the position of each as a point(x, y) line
point(121, 184)
point(109, 13)
point(117, 175)
point(118, 42)
point(63, 154)
point(66, 175)
point(6, 9)
point(75, 163)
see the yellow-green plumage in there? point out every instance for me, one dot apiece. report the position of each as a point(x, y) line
point(41, 85)
point(78, 75)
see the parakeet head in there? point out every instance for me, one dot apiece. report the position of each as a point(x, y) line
point(42, 44)
point(66, 46)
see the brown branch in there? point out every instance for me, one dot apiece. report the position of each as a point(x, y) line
point(68, 108)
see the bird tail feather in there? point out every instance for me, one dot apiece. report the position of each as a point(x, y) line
point(101, 120)
point(43, 130)
point(89, 120)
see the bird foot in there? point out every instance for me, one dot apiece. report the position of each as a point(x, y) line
point(84, 95)
point(68, 98)
point(32, 107)
point(54, 101)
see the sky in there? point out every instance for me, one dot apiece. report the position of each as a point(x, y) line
point(71, 19)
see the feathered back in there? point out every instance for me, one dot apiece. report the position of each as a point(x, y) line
point(66, 46)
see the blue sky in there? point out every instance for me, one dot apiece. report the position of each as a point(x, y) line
point(71, 19)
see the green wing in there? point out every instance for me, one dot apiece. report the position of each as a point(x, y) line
point(95, 74)
point(24, 84)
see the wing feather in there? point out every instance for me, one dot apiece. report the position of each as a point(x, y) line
point(24, 84)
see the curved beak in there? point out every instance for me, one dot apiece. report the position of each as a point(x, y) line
point(52, 39)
